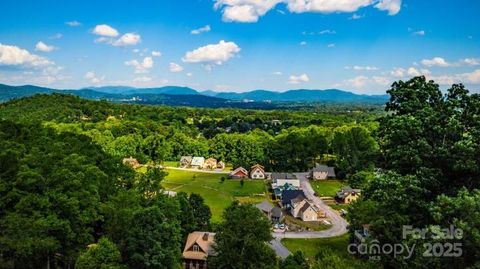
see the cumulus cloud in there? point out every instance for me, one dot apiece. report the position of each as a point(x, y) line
point(141, 67)
point(156, 53)
point(251, 10)
point(470, 61)
point(93, 78)
point(212, 54)
point(466, 78)
point(73, 23)
point(298, 79)
point(436, 61)
point(105, 30)
point(15, 56)
point(128, 39)
point(200, 30)
point(40, 46)
point(392, 6)
point(175, 68)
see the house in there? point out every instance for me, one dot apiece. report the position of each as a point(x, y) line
point(210, 163)
point(240, 172)
point(277, 214)
point(257, 172)
point(322, 172)
point(132, 162)
point(277, 192)
point(280, 179)
point(220, 165)
point(361, 235)
point(288, 195)
point(348, 195)
point(185, 161)
point(301, 208)
point(266, 208)
point(197, 162)
point(198, 247)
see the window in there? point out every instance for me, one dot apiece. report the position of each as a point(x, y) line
point(195, 248)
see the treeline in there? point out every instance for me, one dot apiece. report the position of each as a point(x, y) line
point(281, 140)
point(429, 180)
point(65, 203)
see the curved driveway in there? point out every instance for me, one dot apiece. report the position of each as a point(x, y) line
point(339, 224)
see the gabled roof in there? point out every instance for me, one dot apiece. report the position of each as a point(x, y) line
point(204, 240)
point(239, 169)
point(257, 166)
point(198, 161)
point(298, 199)
point(306, 206)
point(276, 176)
point(323, 168)
point(346, 191)
point(264, 206)
point(288, 195)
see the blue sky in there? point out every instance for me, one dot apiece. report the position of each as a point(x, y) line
point(239, 45)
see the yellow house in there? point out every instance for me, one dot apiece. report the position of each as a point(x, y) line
point(348, 195)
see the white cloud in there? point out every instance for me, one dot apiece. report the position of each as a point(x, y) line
point(362, 68)
point(40, 46)
point(303, 43)
point(244, 10)
point(355, 16)
point(212, 54)
point(156, 53)
point(189, 74)
point(277, 73)
point(298, 79)
point(419, 33)
point(175, 68)
point(73, 23)
point(414, 72)
point(251, 10)
point(56, 36)
point(470, 61)
point(331, 45)
point(398, 72)
point(436, 61)
point(15, 56)
point(327, 32)
point(141, 67)
point(200, 30)
point(128, 39)
point(105, 30)
point(392, 6)
point(93, 78)
point(466, 78)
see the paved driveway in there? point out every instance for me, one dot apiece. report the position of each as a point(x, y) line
point(339, 224)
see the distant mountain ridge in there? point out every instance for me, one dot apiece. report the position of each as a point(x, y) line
point(187, 96)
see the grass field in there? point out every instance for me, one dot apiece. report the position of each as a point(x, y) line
point(217, 194)
point(326, 187)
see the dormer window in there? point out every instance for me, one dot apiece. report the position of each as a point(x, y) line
point(195, 248)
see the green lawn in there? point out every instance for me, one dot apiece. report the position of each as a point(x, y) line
point(218, 195)
point(327, 187)
point(339, 244)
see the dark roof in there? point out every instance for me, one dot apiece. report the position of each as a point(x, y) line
point(264, 206)
point(298, 199)
point(283, 176)
point(277, 212)
point(323, 168)
point(288, 195)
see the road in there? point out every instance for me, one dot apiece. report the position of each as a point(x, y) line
point(197, 170)
point(339, 224)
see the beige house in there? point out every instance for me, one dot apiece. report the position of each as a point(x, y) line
point(210, 163)
point(185, 161)
point(348, 195)
point(198, 247)
point(301, 208)
point(220, 165)
point(257, 172)
point(197, 162)
point(322, 172)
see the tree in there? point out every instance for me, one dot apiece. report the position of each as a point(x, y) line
point(149, 183)
point(201, 212)
point(102, 255)
point(327, 259)
point(295, 261)
point(241, 239)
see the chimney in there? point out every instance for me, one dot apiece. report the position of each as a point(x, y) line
point(205, 237)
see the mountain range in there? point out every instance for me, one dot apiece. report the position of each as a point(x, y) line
point(174, 95)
